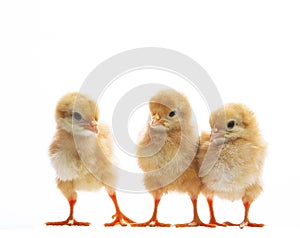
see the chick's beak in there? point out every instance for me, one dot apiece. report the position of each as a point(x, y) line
point(93, 126)
point(216, 134)
point(155, 120)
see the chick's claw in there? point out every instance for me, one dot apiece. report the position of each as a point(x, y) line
point(120, 219)
point(158, 224)
point(68, 222)
point(250, 224)
point(195, 224)
point(151, 223)
point(244, 224)
point(125, 219)
point(79, 223)
point(117, 221)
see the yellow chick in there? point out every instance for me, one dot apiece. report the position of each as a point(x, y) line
point(231, 159)
point(80, 145)
point(167, 150)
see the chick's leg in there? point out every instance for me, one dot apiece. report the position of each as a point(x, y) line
point(120, 218)
point(153, 222)
point(196, 220)
point(212, 220)
point(246, 221)
point(68, 190)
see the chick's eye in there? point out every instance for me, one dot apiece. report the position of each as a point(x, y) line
point(172, 113)
point(77, 116)
point(230, 124)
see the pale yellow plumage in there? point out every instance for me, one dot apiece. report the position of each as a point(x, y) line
point(81, 153)
point(167, 150)
point(231, 159)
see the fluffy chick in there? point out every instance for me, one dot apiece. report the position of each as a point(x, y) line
point(167, 150)
point(231, 159)
point(81, 154)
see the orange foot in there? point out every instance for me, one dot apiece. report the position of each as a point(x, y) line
point(68, 222)
point(195, 223)
point(244, 223)
point(151, 223)
point(120, 219)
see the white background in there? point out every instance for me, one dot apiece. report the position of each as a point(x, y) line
point(250, 49)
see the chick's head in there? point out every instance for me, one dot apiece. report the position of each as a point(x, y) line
point(169, 110)
point(77, 114)
point(232, 122)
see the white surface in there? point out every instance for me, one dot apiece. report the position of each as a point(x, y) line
point(250, 49)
